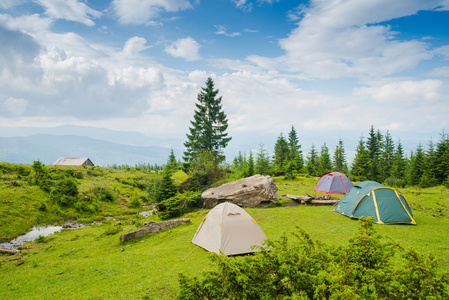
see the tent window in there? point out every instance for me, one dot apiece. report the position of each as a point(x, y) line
point(231, 214)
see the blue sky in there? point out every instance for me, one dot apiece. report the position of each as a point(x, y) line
point(330, 68)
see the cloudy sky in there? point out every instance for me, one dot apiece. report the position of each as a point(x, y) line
point(331, 68)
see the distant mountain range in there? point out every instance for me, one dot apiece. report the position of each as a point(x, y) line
point(103, 147)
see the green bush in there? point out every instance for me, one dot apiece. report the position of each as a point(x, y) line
point(42, 206)
point(178, 205)
point(40, 239)
point(395, 182)
point(305, 269)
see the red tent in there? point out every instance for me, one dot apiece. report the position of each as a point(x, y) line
point(334, 183)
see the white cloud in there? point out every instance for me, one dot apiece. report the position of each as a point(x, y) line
point(70, 10)
point(337, 39)
point(186, 48)
point(407, 93)
point(5, 4)
point(221, 29)
point(143, 11)
point(134, 46)
point(441, 71)
point(15, 105)
point(443, 51)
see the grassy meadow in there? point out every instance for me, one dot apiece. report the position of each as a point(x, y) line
point(92, 262)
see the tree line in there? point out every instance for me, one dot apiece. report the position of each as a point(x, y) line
point(378, 158)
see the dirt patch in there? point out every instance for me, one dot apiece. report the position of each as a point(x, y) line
point(290, 204)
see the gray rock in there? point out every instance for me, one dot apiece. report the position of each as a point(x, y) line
point(151, 227)
point(257, 190)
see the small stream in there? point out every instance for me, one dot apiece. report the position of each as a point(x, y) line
point(32, 235)
point(47, 230)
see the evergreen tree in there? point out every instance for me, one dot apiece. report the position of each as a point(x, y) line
point(172, 160)
point(208, 131)
point(442, 159)
point(361, 162)
point(417, 165)
point(250, 169)
point(325, 164)
point(239, 165)
point(428, 178)
point(295, 153)
point(340, 164)
point(312, 163)
point(387, 156)
point(373, 146)
point(263, 161)
point(167, 187)
point(399, 163)
point(281, 153)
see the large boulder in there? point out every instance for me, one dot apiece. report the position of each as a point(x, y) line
point(252, 191)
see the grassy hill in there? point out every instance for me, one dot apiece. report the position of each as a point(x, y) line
point(92, 262)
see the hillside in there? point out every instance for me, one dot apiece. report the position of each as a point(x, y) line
point(91, 262)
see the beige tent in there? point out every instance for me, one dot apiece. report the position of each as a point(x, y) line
point(229, 228)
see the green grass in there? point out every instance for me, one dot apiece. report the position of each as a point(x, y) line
point(88, 263)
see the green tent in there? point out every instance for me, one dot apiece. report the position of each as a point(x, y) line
point(372, 199)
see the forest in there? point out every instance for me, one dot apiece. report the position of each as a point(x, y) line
point(378, 158)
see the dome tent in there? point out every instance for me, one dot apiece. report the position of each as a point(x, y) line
point(372, 199)
point(230, 229)
point(334, 183)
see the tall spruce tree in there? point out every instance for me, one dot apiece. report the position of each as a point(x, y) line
point(262, 161)
point(399, 166)
point(417, 165)
point(208, 131)
point(374, 146)
point(387, 156)
point(281, 152)
point(250, 167)
point(295, 153)
point(428, 178)
point(442, 158)
point(325, 165)
point(361, 162)
point(339, 162)
point(312, 164)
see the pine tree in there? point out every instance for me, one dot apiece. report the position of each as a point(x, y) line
point(295, 153)
point(428, 178)
point(172, 160)
point(312, 163)
point(373, 146)
point(399, 163)
point(325, 164)
point(167, 187)
point(417, 165)
point(250, 169)
point(262, 161)
point(387, 156)
point(361, 162)
point(208, 131)
point(281, 153)
point(340, 164)
point(442, 159)
point(239, 165)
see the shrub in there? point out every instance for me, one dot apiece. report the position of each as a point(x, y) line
point(306, 269)
point(395, 182)
point(178, 205)
point(66, 192)
point(40, 239)
point(42, 206)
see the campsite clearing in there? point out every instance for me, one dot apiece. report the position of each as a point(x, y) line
point(149, 266)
